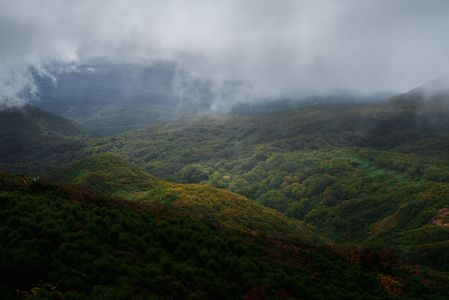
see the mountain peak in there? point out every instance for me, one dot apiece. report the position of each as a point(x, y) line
point(432, 93)
point(437, 86)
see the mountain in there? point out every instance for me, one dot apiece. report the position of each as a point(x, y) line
point(61, 241)
point(35, 141)
point(365, 174)
point(30, 120)
point(115, 177)
point(434, 94)
point(101, 84)
point(109, 98)
point(262, 107)
point(371, 178)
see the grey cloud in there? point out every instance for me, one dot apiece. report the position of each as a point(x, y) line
point(246, 49)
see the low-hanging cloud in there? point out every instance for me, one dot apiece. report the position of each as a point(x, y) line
point(247, 49)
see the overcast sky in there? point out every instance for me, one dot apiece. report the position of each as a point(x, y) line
point(276, 48)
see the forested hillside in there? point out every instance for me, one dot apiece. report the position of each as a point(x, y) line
point(64, 242)
point(369, 174)
point(115, 177)
point(303, 194)
point(35, 141)
point(252, 150)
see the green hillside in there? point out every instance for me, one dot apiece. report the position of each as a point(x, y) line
point(167, 149)
point(367, 174)
point(115, 177)
point(35, 141)
point(107, 174)
point(285, 185)
point(63, 242)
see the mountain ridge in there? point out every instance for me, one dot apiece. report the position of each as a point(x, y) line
point(35, 141)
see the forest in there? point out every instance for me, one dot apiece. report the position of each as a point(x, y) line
point(327, 203)
point(60, 241)
point(224, 150)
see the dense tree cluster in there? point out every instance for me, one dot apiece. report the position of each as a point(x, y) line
point(361, 174)
point(60, 241)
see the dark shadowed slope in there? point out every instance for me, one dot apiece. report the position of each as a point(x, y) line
point(34, 141)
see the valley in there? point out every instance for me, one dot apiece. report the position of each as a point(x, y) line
point(288, 200)
point(224, 150)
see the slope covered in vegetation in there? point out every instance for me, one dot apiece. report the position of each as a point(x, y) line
point(369, 175)
point(372, 174)
point(115, 177)
point(60, 241)
point(35, 141)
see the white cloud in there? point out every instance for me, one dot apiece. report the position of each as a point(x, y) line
point(275, 47)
